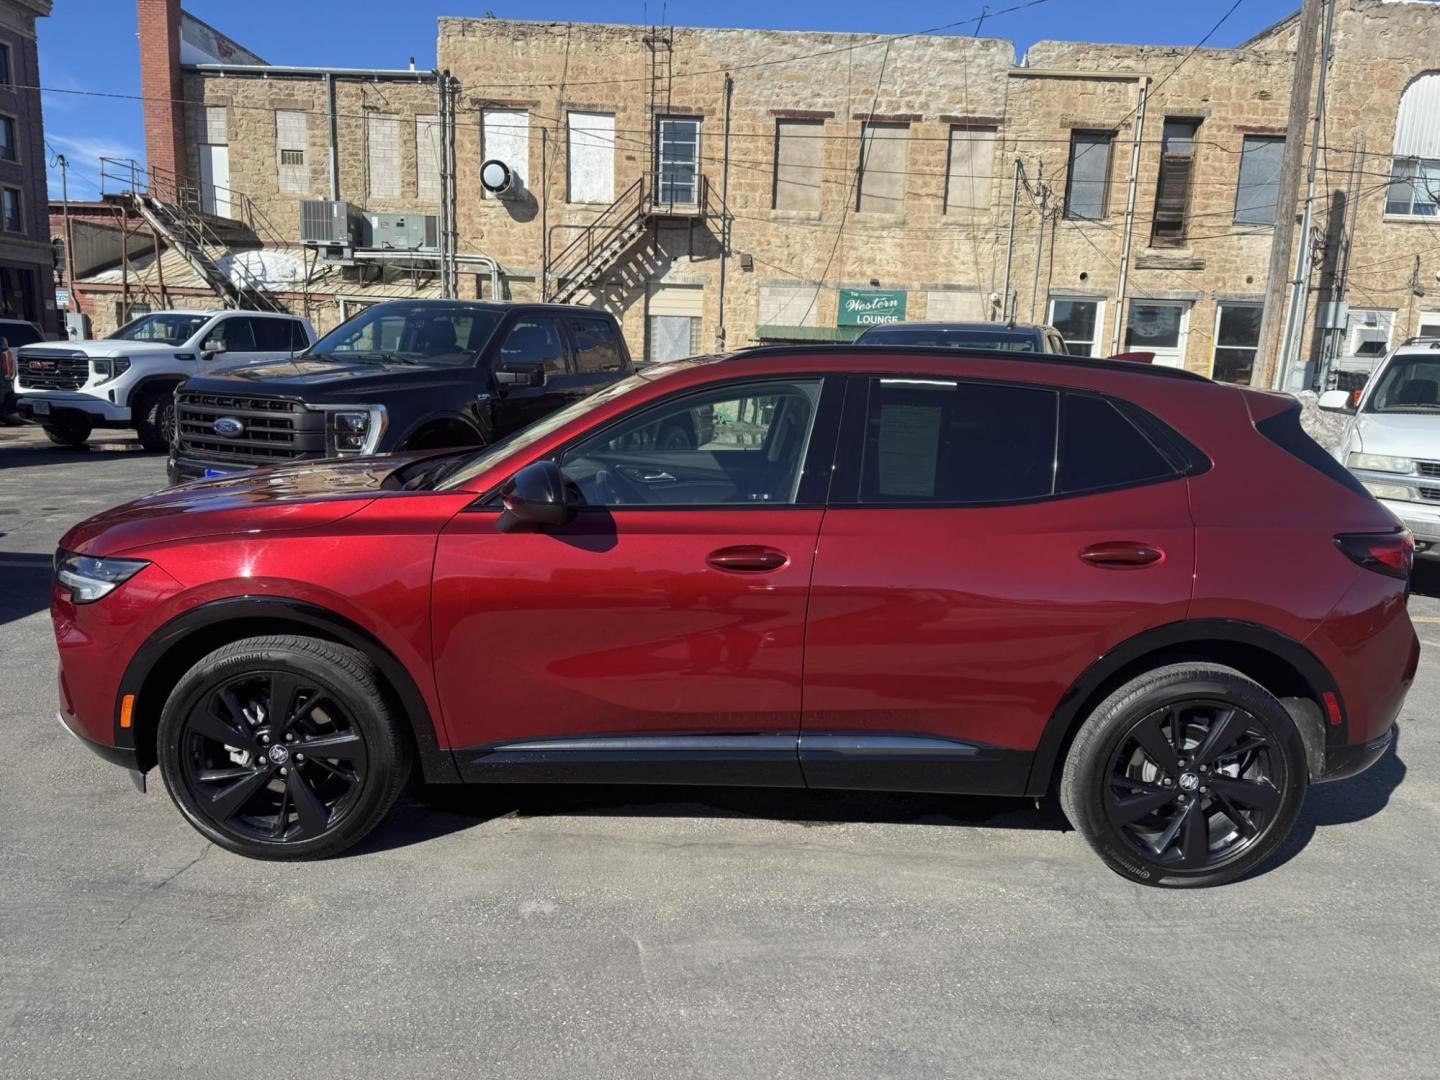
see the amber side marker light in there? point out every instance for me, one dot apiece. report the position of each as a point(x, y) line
point(127, 710)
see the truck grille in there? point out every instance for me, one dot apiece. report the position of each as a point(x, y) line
point(51, 369)
point(272, 430)
point(1429, 468)
point(1430, 493)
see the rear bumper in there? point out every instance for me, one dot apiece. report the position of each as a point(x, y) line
point(1422, 520)
point(1343, 762)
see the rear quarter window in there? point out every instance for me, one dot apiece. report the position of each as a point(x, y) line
point(1284, 430)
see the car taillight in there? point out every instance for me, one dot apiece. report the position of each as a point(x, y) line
point(1391, 554)
point(1355, 397)
point(7, 359)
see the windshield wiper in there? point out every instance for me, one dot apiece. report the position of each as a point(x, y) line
point(383, 358)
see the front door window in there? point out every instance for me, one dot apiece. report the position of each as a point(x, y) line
point(679, 160)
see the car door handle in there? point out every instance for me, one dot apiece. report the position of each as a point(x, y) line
point(1122, 555)
point(747, 559)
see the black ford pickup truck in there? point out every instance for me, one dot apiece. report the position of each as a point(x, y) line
point(407, 375)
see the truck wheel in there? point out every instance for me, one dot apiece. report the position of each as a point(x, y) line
point(67, 434)
point(155, 420)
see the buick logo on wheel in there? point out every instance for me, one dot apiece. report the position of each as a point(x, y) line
point(228, 426)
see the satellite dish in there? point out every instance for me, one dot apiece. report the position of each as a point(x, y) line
point(496, 177)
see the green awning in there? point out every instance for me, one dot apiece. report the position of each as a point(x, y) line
point(808, 333)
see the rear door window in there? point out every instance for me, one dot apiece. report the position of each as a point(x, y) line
point(953, 443)
point(272, 335)
point(596, 346)
point(535, 341)
point(237, 334)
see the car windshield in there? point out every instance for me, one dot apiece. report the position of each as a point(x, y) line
point(1408, 384)
point(430, 334)
point(527, 436)
point(1008, 340)
point(168, 328)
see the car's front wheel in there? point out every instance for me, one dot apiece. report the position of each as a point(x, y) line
point(1189, 775)
point(282, 747)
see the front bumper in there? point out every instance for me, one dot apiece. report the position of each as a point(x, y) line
point(77, 408)
point(123, 756)
point(1343, 762)
point(179, 470)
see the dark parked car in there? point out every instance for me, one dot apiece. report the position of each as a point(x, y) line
point(13, 334)
point(888, 569)
point(408, 375)
point(979, 335)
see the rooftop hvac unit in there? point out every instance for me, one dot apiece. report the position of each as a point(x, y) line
point(326, 223)
point(400, 232)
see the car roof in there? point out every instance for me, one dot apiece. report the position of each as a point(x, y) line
point(501, 306)
point(987, 327)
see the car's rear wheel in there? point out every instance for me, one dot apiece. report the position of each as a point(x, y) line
point(282, 748)
point(69, 434)
point(155, 420)
point(1187, 776)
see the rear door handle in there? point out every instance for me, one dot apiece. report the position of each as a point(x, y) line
point(747, 559)
point(1122, 555)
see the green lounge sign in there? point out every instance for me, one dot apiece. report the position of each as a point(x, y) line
point(870, 307)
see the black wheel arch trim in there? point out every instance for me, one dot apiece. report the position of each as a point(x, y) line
point(1196, 632)
point(437, 419)
point(437, 765)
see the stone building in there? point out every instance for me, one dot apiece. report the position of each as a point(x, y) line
point(718, 188)
point(27, 259)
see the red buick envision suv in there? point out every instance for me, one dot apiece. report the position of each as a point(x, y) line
point(873, 568)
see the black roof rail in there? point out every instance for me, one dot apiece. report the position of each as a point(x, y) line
point(1058, 359)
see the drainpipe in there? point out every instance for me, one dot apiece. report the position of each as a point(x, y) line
point(334, 137)
point(1144, 84)
point(724, 211)
point(1010, 243)
point(443, 118)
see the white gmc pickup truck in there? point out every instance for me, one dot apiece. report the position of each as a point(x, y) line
point(128, 379)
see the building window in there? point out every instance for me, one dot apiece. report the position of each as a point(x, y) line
point(1367, 332)
point(678, 163)
point(797, 164)
point(505, 137)
point(1172, 191)
point(1415, 168)
point(292, 135)
point(428, 151)
point(1429, 324)
point(7, 77)
point(1079, 322)
point(1414, 187)
point(383, 158)
point(1237, 336)
point(592, 157)
point(672, 337)
point(883, 150)
point(1159, 327)
point(1257, 195)
point(970, 175)
point(1087, 186)
point(9, 146)
point(11, 209)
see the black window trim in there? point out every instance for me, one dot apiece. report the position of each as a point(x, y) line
point(816, 470)
point(1182, 455)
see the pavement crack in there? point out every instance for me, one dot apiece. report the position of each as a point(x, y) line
point(166, 880)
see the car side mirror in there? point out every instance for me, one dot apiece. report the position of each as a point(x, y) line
point(520, 373)
point(535, 496)
point(1337, 401)
point(213, 347)
point(1135, 357)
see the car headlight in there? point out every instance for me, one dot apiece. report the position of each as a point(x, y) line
point(355, 430)
point(1380, 463)
point(108, 367)
point(1390, 491)
point(89, 578)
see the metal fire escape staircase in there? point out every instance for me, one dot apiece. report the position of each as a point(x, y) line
point(174, 210)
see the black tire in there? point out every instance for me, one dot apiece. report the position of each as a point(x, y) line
point(1203, 815)
point(265, 798)
point(72, 435)
point(155, 420)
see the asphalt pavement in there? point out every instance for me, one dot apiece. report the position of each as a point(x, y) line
point(633, 933)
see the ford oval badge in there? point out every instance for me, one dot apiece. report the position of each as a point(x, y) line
point(228, 426)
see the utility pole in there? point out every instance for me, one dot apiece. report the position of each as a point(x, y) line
point(1300, 286)
point(1282, 244)
point(69, 239)
point(1010, 243)
point(1039, 237)
point(1133, 184)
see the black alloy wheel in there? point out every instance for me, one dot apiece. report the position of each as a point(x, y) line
point(270, 756)
point(282, 747)
point(1194, 784)
point(1188, 775)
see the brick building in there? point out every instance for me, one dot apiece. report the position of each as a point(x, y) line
point(27, 259)
point(725, 187)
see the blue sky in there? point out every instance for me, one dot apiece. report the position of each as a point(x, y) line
point(91, 45)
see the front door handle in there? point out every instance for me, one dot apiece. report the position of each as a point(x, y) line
point(747, 559)
point(1122, 555)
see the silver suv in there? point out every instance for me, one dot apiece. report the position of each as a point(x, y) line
point(128, 379)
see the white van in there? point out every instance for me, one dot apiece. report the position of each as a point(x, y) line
point(1392, 443)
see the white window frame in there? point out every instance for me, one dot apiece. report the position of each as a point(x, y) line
point(1215, 345)
point(1097, 347)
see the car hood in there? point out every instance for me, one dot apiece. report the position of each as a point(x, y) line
point(1412, 435)
point(302, 496)
point(345, 377)
point(101, 348)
